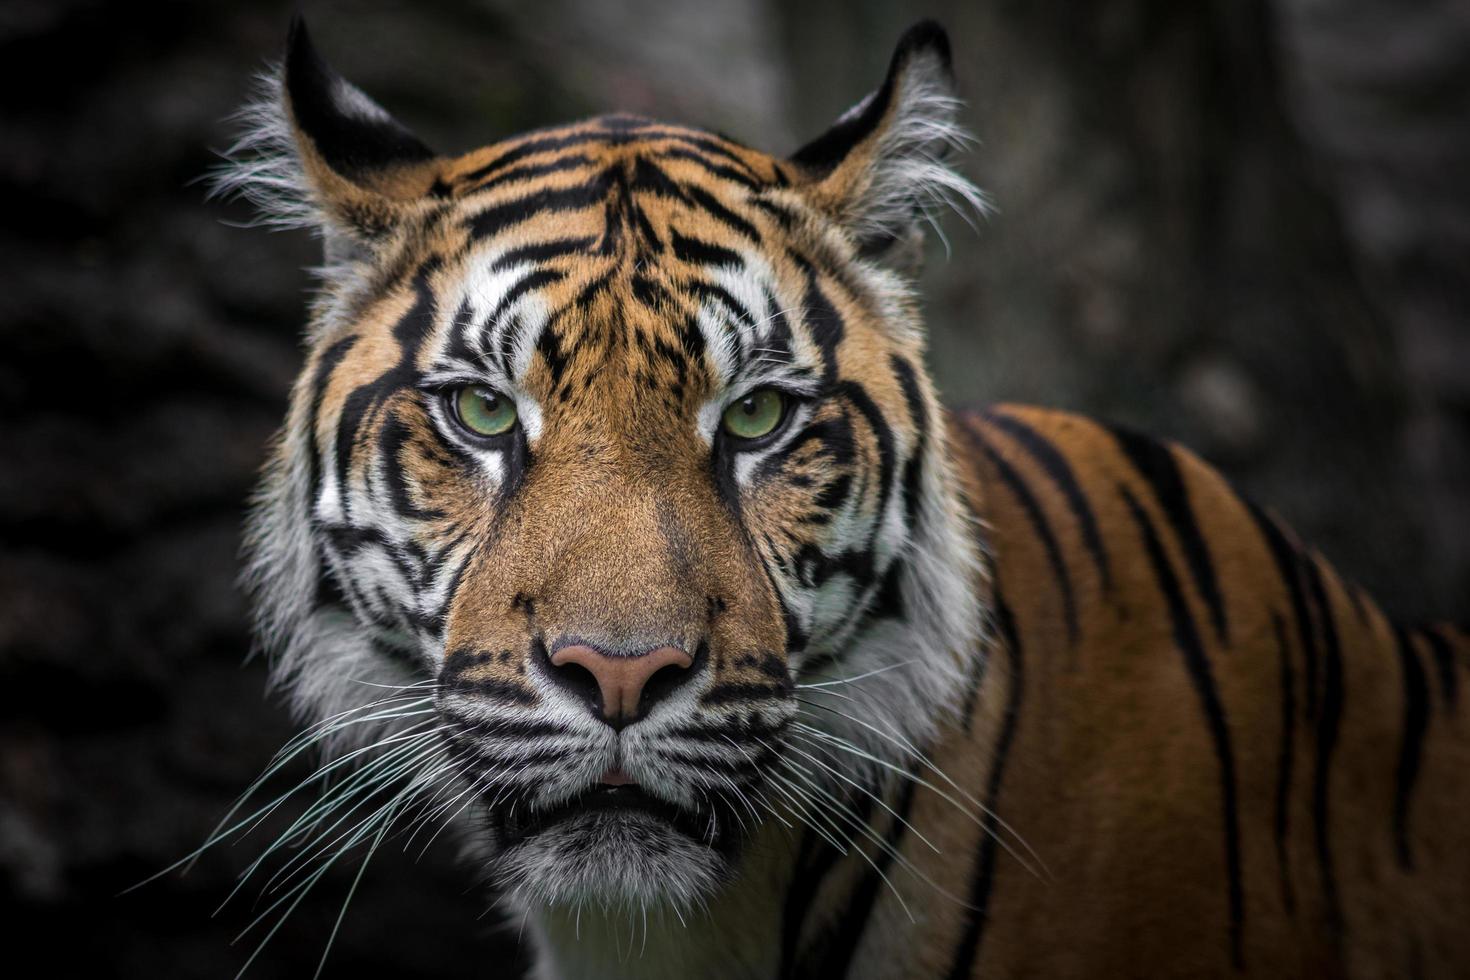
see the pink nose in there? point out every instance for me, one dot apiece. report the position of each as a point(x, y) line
point(621, 680)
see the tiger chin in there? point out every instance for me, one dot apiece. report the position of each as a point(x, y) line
point(616, 529)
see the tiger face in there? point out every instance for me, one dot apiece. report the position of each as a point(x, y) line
point(612, 440)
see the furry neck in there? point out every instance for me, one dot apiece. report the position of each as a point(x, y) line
point(737, 934)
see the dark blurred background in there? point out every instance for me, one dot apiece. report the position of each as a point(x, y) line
point(1244, 224)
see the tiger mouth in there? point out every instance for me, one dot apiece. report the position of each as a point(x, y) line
point(604, 805)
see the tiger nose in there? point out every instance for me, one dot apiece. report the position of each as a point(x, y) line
point(621, 680)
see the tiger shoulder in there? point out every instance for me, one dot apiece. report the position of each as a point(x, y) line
point(1239, 764)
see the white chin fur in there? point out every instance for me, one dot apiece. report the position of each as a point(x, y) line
point(613, 861)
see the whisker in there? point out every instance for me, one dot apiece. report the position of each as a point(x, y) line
point(347, 900)
point(847, 746)
point(852, 680)
point(882, 843)
point(839, 810)
point(293, 748)
point(392, 766)
point(868, 792)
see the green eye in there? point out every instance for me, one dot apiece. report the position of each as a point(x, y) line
point(483, 411)
point(755, 415)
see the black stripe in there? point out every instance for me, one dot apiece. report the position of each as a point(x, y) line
point(972, 689)
point(499, 217)
point(726, 693)
point(857, 396)
point(708, 145)
point(888, 597)
point(782, 215)
point(1416, 721)
point(841, 941)
point(814, 861)
point(719, 170)
point(1444, 661)
point(649, 178)
point(492, 690)
point(321, 377)
point(697, 252)
point(409, 333)
point(1186, 638)
point(529, 147)
point(655, 297)
point(536, 279)
point(983, 879)
point(746, 728)
point(559, 141)
point(349, 539)
point(549, 345)
point(464, 747)
point(646, 234)
point(393, 436)
point(706, 291)
point(1327, 727)
point(593, 289)
point(824, 324)
point(1287, 560)
point(541, 252)
point(439, 615)
point(985, 651)
point(1157, 464)
point(533, 170)
point(506, 727)
point(1038, 521)
point(767, 663)
point(1286, 759)
point(720, 213)
point(1055, 465)
point(913, 470)
point(463, 659)
point(745, 768)
point(1359, 601)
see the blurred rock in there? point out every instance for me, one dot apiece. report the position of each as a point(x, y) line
point(1224, 401)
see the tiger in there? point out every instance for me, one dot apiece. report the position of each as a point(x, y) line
point(616, 526)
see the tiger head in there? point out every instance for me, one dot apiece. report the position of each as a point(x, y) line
point(614, 459)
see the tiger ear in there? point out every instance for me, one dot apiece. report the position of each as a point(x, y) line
point(880, 169)
point(318, 153)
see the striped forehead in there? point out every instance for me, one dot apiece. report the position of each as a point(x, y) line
point(600, 253)
point(592, 145)
point(732, 320)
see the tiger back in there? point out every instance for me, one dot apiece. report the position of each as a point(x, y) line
point(1243, 767)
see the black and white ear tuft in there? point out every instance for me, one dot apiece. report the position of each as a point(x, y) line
point(880, 169)
point(352, 134)
point(318, 153)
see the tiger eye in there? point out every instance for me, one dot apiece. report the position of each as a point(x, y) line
point(755, 415)
point(484, 411)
